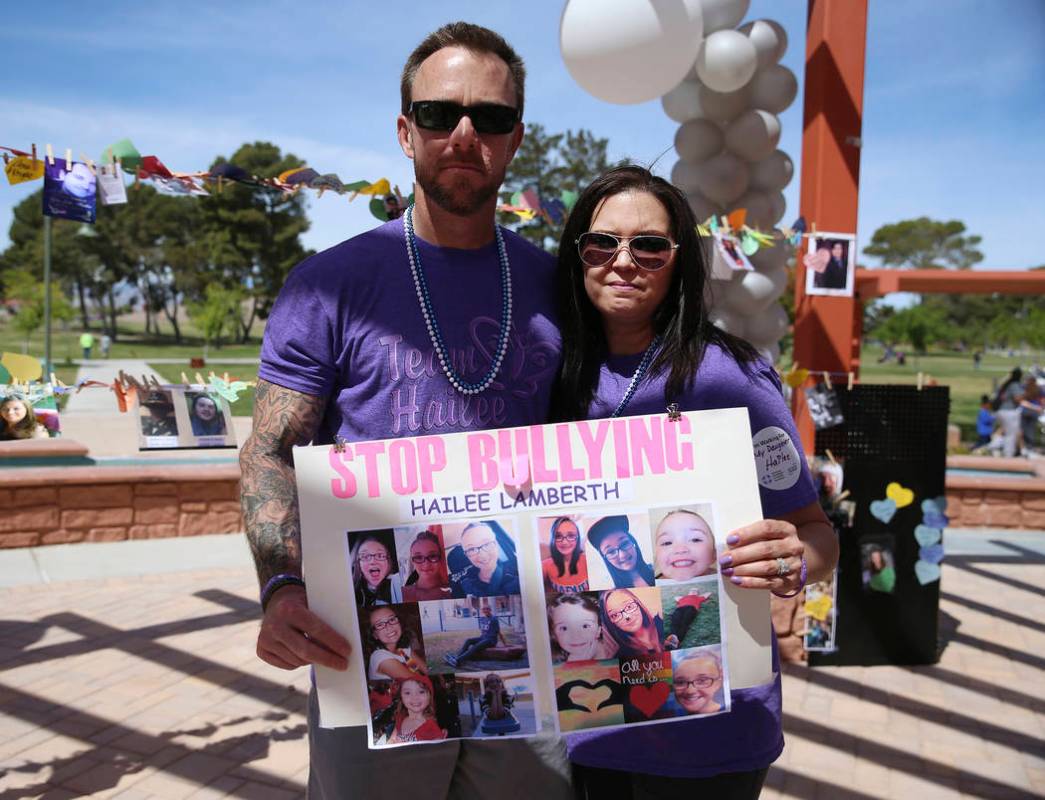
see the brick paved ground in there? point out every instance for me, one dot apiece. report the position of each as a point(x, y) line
point(147, 687)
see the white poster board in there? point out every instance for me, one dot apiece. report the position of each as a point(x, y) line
point(492, 492)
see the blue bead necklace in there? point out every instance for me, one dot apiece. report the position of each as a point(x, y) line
point(636, 379)
point(428, 312)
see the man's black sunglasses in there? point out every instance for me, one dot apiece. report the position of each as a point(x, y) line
point(442, 115)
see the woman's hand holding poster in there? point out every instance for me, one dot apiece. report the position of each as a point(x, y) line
point(588, 598)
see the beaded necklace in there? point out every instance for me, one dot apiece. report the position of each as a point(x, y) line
point(441, 351)
point(636, 379)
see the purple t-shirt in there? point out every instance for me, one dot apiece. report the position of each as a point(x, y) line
point(750, 736)
point(347, 325)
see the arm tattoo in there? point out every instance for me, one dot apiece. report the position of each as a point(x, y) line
point(282, 418)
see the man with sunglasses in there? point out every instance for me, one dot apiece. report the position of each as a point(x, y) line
point(437, 322)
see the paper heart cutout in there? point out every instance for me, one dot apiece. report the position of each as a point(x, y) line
point(883, 510)
point(817, 261)
point(932, 553)
point(934, 505)
point(926, 536)
point(589, 697)
point(884, 581)
point(819, 609)
point(649, 697)
point(926, 572)
point(796, 377)
point(935, 520)
point(898, 494)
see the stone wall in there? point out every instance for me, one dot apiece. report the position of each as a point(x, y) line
point(56, 505)
point(975, 501)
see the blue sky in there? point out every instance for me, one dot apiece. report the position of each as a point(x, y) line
point(954, 104)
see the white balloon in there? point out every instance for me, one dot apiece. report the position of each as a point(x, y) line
point(729, 321)
point(724, 106)
point(768, 37)
point(726, 61)
point(683, 102)
point(753, 135)
point(773, 172)
point(719, 14)
point(723, 178)
point(778, 207)
point(698, 140)
point(624, 51)
point(774, 88)
point(770, 352)
point(702, 207)
point(771, 259)
point(755, 291)
point(686, 176)
point(767, 326)
point(758, 208)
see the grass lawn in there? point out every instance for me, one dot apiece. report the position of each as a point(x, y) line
point(705, 627)
point(244, 406)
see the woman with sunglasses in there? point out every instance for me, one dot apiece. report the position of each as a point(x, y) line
point(636, 336)
point(428, 578)
point(566, 569)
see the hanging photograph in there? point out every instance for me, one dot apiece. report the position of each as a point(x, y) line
point(824, 407)
point(70, 190)
point(830, 264)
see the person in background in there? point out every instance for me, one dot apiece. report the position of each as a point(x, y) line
point(86, 344)
point(1007, 405)
point(984, 422)
point(106, 344)
point(1030, 410)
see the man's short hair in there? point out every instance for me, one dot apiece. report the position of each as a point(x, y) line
point(471, 37)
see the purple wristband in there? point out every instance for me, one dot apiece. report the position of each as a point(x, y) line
point(802, 575)
point(277, 582)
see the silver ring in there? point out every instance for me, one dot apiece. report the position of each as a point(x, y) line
point(782, 567)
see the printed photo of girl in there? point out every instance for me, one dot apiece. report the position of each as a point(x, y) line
point(576, 629)
point(623, 552)
point(565, 568)
point(426, 576)
point(698, 681)
point(481, 558)
point(415, 712)
point(632, 617)
point(392, 642)
point(683, 544)
point(375, 576)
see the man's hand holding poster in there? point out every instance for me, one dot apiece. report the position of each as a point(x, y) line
point(498, 583)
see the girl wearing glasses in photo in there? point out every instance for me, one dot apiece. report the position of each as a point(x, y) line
point(375, 573)
point(613, 539)
point(636, 334)
point(428, 578)
point(566, 570)
point(415, 712)
point(389, 633)
point(637, 632)
point(697, 681)
point(492, 566)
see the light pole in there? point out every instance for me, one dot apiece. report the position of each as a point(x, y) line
point(47, 297)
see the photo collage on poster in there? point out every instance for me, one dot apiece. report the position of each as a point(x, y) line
point(443, 631)
point(183, 417)
point(633, 613)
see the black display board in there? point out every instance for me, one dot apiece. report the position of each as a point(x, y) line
point(891, 433)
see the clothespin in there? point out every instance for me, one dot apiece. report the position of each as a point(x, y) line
point(34, 152)
point(199, 380)
point(921, 380)
point(842, 496)
point(225, 378)
point(849, 385)
point(185, 379)
point(90, 164)
point(674, 415)
point(827, 378)
point(108, 152)
point(68, 159)
point(6, 159)
point(830, 456)
point(121, 396)
point(339, 444)
point(50, 156)
point(812, 230)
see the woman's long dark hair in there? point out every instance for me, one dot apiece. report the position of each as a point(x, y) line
point(559, 561)
point(681, 320)
point(622, 579)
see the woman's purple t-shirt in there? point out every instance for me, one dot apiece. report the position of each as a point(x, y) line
point(347, 325)
point(750, 736)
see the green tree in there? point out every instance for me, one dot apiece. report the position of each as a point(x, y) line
point(925, 243)
point(252, 232)
point(26, 291)
point(551, 164)
point(217, 314)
